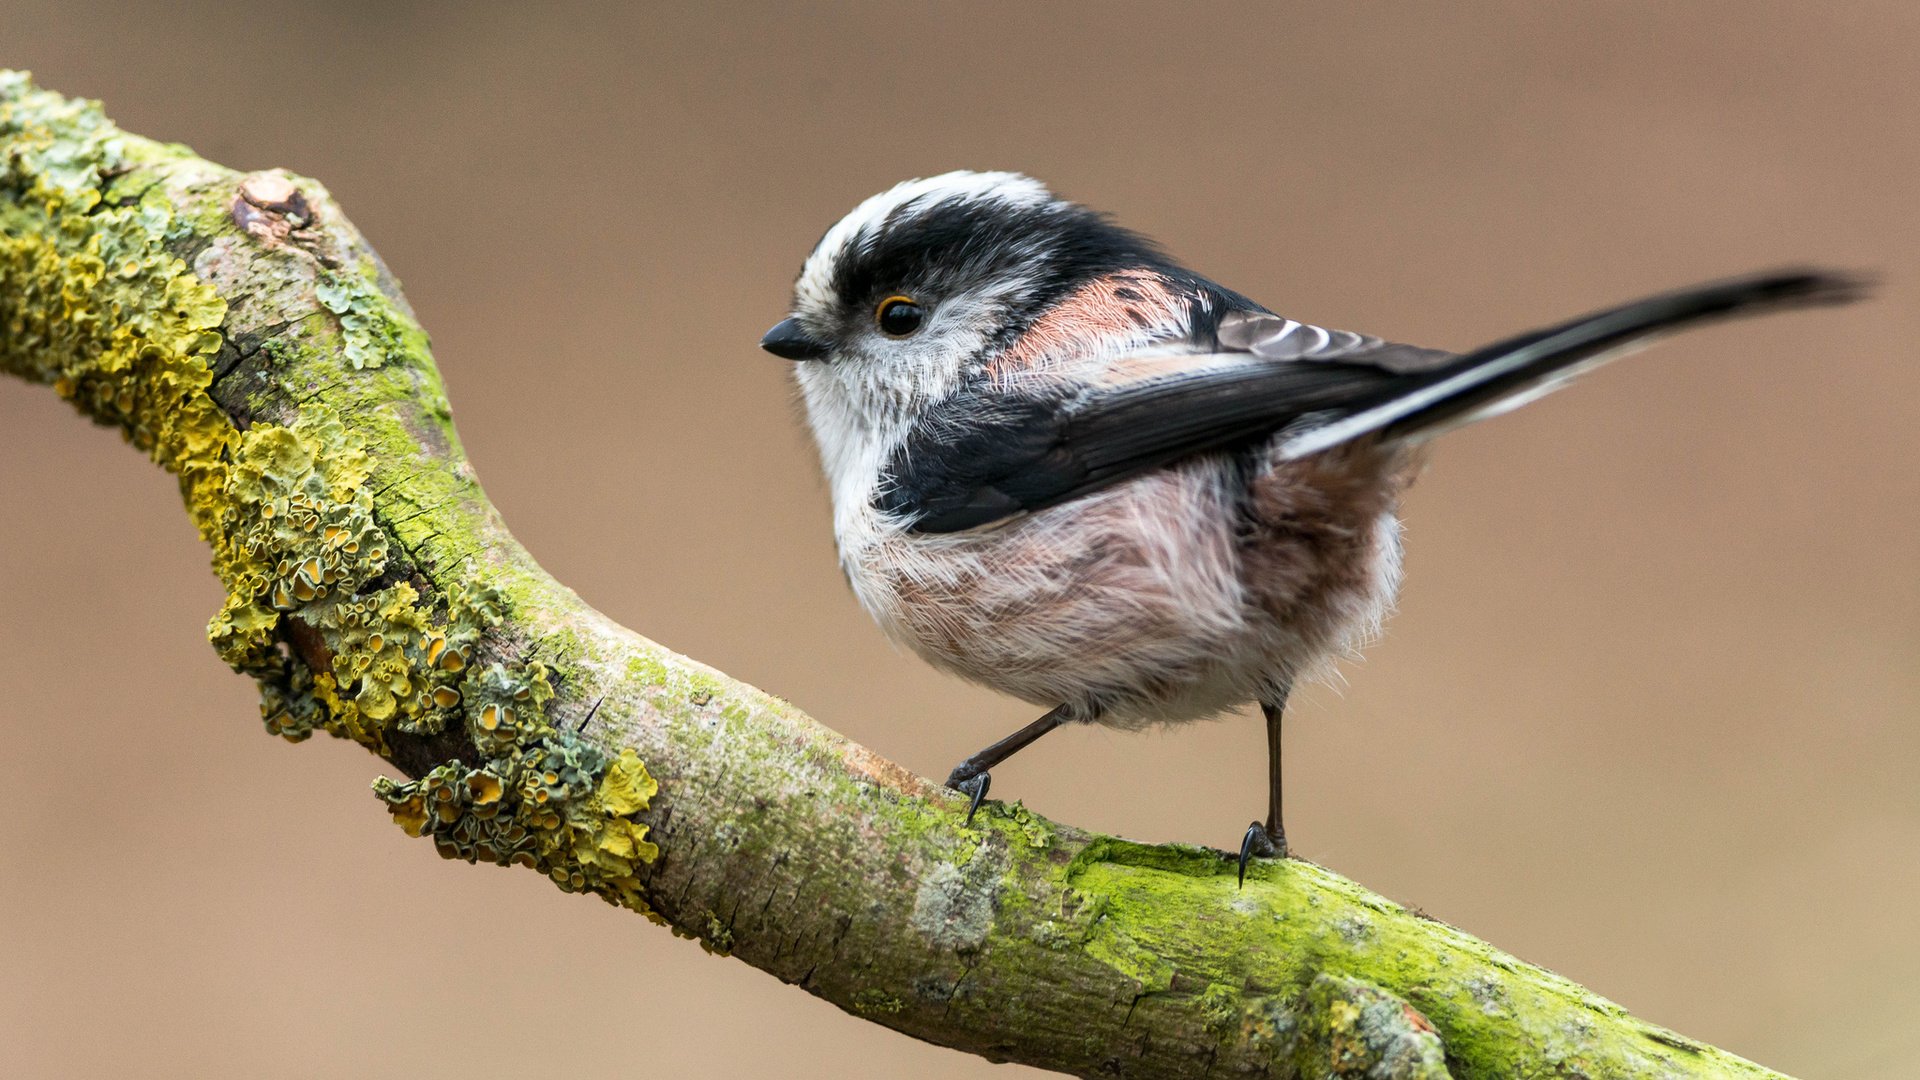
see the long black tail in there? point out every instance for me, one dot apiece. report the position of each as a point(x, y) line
point(1510, 373)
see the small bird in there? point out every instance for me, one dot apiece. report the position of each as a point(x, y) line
point(1066, 467)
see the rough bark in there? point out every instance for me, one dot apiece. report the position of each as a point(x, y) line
point(242, 333)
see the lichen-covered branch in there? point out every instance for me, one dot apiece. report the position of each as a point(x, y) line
point(240, 332)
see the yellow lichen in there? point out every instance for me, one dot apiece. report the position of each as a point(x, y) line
point(296, 532)
point(506, 708)
point(96, 301)
point(92, 298)
point(298, 540)
point(561, 806)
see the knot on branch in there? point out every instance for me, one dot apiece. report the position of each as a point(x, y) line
point(1362, 1031)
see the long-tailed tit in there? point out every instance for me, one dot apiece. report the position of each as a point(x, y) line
point(1066, 467)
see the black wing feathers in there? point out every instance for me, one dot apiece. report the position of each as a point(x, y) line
point(986, 453)
point(967, 462)
point(983, 454)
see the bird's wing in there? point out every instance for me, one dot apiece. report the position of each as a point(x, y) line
point(993, 451)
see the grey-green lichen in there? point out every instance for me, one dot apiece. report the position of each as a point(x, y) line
point(372, 336)
point(954, 906)
point(1361, 1031)
point(96, 299)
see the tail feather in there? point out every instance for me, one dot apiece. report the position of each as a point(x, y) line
point(1510, 373)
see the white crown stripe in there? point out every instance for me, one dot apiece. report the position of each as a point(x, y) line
point(857, 229)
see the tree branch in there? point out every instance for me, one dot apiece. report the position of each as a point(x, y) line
point(243, 334)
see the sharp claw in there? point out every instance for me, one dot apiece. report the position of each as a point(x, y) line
point(1255, 834)
point(979, 785)
point(1258, 841)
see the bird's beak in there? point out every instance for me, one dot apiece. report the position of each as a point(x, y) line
point(787, 339)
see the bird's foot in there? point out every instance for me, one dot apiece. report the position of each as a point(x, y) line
point(1261, 842)
point(973, 781)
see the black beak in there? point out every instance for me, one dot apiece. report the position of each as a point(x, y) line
point(788, 340)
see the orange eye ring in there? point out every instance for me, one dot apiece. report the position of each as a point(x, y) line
point(899, 316)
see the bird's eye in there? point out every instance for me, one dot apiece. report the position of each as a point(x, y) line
point(899, 316)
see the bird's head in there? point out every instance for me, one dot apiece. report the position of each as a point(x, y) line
point(930, 280)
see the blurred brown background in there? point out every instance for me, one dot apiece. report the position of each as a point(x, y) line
point(1650, 713)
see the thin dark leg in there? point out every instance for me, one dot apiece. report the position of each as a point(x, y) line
point(1276, 824)
point(971, 775)
point(1268, 840)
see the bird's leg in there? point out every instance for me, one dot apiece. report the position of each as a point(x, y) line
point(1269, 839)
point(971, 776)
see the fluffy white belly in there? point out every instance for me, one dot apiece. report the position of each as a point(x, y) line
point(1155, 600)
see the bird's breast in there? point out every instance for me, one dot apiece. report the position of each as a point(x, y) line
point(1173, 595)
